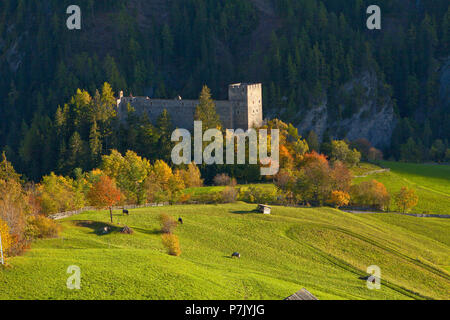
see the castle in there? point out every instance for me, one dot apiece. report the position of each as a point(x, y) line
point(242, 110)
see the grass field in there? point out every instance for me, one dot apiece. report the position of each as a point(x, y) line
point(431, 182)
point(323, 250)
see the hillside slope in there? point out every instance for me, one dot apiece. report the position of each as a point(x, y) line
point(323, 250)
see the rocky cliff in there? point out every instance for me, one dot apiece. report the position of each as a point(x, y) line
point(374, 119)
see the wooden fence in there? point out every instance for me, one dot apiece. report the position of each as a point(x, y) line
point(62, 215)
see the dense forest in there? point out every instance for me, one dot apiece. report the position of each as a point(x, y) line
point(58, 86)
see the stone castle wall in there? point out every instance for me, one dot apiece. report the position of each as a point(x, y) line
point(242, 110)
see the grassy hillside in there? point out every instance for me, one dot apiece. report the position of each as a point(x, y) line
point(323, 250)
point(431, 182)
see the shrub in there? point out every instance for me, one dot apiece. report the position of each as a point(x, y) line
point(224, 180)
point(42, 227)
point(229, 195)
point(207, 198)
point(258, 195)
point(339, 199)
point(170, 241)
point(168, 224)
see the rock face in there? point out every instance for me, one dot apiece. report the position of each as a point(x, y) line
point(375, 119)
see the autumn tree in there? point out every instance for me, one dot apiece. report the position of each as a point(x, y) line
point(59, 194)
point(130, 173)
point(5, 237)
point(191, 176)
point(162, 184)
point(339, 199)
point(105, 194)
point(13, 206)
point(314, 180)
point(406, 199)
point(370, 193)
point(340, 151)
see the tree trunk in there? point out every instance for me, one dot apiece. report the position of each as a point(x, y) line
point(110, 214)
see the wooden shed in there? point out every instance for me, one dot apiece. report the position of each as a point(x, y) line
point(264, 209)
point(302, 295)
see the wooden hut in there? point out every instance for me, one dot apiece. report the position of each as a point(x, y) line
point(302, 295)
point(264, 209)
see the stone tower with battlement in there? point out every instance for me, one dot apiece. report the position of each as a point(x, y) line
point(242, 110)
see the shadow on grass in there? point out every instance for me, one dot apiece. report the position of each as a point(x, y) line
point(97, 227)
point(245, 212)
point(149, 232)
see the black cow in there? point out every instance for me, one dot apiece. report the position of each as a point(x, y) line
point(125, 211)
point(180, 220)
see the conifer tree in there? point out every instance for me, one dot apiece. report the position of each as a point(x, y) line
point(206, 111)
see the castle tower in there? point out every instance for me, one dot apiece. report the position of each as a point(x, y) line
point(246, 100)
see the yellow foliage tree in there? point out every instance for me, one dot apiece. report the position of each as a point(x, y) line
point(339, 199)
point(6, 237)
point(191, 177)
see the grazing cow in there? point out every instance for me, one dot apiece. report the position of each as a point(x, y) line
point(236, 254)
point(124, 211)
point(180, 220)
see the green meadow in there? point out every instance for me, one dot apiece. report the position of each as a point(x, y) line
point(324, 250)
point(431, 182)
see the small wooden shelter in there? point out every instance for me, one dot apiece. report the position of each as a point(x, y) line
point(302, 295)
point(264, 209)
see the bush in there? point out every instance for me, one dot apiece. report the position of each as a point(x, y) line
point(224, 180)
point(170, 241)
point(168, 224)
point(42, 227)
point(258, 195)
point(229, 195)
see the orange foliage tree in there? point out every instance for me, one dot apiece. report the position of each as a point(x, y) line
point(406, 199)
point(339, 199)
point(105, 194)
